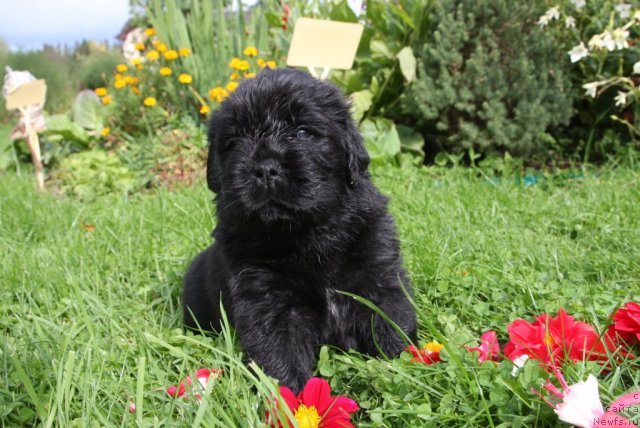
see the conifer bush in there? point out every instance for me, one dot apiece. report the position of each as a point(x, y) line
point(488, 79)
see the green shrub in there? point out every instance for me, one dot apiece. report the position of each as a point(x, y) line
point(488, 79)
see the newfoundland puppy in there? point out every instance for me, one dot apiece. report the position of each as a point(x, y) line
point(299, 221)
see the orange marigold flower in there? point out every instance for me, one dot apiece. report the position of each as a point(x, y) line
point(153, 55)
point(234, 76)
point(249, 75)
point(205, 109)
point(165, 71)
point(250, 51)
point(122, 68)
point(184, 51)
point(231, 86)
point(218, 94)
point(150, 32)
point(101, 92)
point(106, 100)
point(117, 76)
point(185, 78)
point(139, 67)
point(135, 90)
point(161, 47)
point(171, 55)
point(140, 46)
point(105, 131)
point(260, 62)
point(150, 101)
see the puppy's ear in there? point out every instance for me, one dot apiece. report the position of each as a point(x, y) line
point(214, 170)
point(357, 156)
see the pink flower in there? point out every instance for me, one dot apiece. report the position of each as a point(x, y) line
point(489, 348)
point(314, 407)
point(580, 404)
point(626, 323)
point(203, 376)
point(552, 340)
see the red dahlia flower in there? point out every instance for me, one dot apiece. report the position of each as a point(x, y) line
point(202, 376)
point(552, 340)
point(314, 407)
point(626, 323)
point(428, 354)
point(489, 348)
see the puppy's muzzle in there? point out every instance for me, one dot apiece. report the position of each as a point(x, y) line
point(267, 172)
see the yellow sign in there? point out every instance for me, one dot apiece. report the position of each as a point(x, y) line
point(326, 44)
point(27, 94)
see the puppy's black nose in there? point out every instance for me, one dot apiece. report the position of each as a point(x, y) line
point(267, 171)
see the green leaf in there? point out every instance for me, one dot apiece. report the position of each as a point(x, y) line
point(273, 19)
point(379, 48)
point(381, 138)
point(411, 140)
point(407, 63)
point(342, 12)
point(362, 101)
point(87, 111)
point(60, 125)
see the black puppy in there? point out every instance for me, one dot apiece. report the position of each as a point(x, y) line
point(298, 220)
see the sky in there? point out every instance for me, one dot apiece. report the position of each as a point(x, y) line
point(28, 24)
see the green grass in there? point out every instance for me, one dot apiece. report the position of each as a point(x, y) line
point(90, 320)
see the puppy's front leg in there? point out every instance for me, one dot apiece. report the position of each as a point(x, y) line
point(278, 328)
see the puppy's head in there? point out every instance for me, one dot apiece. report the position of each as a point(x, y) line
point(283, 150)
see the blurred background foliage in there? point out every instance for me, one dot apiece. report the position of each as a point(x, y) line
point(434, 81)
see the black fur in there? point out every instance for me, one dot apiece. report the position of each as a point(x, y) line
point(298, 219)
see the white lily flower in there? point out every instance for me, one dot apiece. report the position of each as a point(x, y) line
point(591, 89)
point(570, 22)
point(636, 68)
point(581, 403)
point(579, 4)
point(608, 41)
point(543, 21)
point(636, 15)
point(624, 10)
point(621, 98)
point(578, 52)
point(620, 36)
point(553, 13)
point(596, 42)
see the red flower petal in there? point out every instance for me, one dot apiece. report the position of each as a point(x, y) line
point(489, 348)
point(317, 392)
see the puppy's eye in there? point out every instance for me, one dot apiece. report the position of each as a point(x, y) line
point(303, 134)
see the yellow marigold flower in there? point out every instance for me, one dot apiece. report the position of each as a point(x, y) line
point(117, 76)
point(139, 67)
point(119, 83)
point(249, 75)
point(135, 90)
point(153, 55)
point(260, 62)
point(250, 51)
point(149, 101)
point(184, 51)
point(234, 76)
point(165, 71)
point(122, 68)
point(205, 109)
point(150, 32)
point(242, 65)
point(271, 64)
point(218, 94)
point(105, 131)
point(171, 55)
point(231, 86)
point(233, 62)
point(161, 47)
point(134, 80)
point(106, 100)
point(185, 78)
point(140, 46)
point(101, 92)
point(433, 346)
point(136, 61)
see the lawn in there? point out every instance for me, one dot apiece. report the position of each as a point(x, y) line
point(90, 311)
